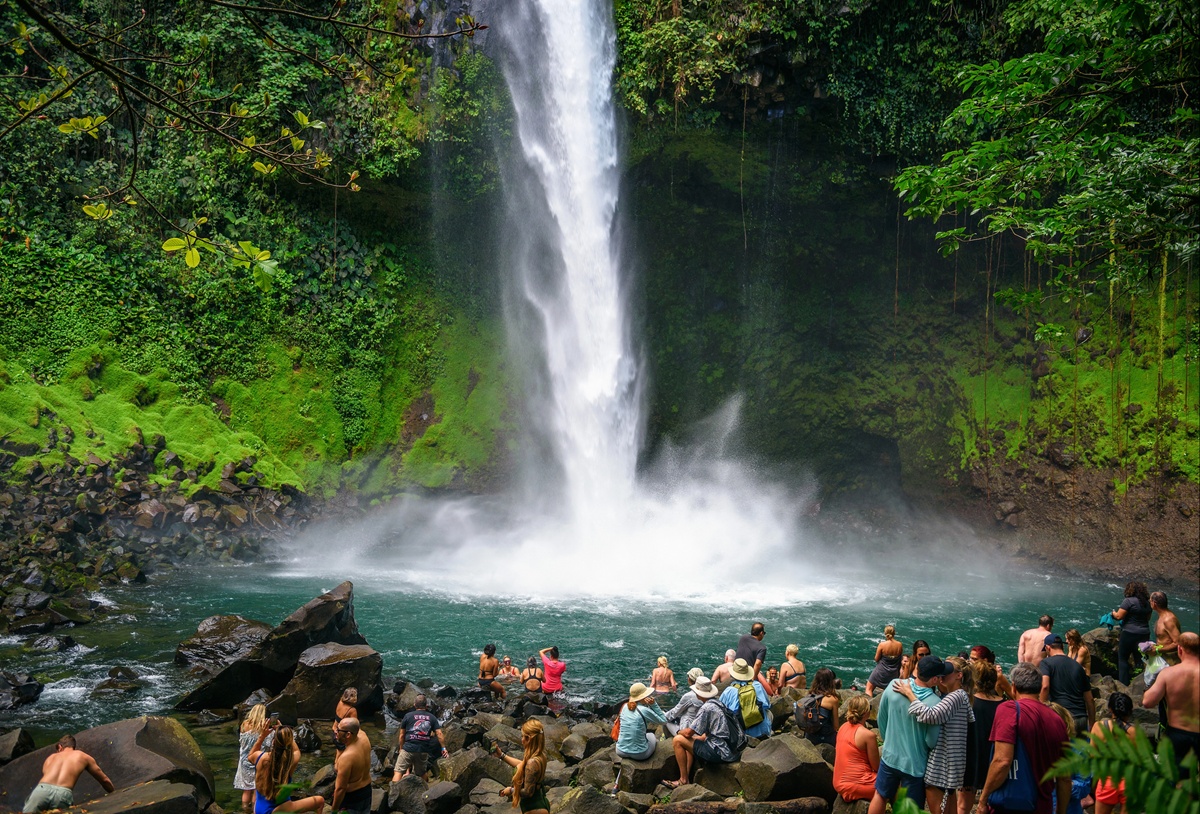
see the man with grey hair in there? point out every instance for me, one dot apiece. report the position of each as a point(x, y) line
point(682, 714)
point(721, 674)
point(1041, 735)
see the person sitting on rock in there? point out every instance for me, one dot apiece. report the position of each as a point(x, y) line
point(489, 668)
point(741, 675)
point(352, 789)
point(346, 708)
point(273, 771)
point(532, 675)
point(707, 738)
point(721, 674)
point(417, 735)
point(508, 671)
point(682, 714)
point(60, 773)
point(856, 760)
point(633, 740)
point(528, 790)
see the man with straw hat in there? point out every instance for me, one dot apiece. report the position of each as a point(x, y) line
point(738, 694)
point(708, 738)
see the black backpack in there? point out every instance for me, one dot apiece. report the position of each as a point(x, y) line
point(737, 731)
point(808, 714)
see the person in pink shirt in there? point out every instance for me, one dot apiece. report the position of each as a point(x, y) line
point(553, 669)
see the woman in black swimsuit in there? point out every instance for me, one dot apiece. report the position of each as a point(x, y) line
point(532, 675)
point(791, 672)
point(489, 666)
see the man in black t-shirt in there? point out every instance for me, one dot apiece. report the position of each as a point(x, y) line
point(751, 648)
point(420, 736)
point(1065, 683)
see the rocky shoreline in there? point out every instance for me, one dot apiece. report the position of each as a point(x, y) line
point(299, 668)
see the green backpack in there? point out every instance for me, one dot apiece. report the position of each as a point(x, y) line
point(748, 701)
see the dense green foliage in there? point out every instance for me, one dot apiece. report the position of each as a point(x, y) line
point(1154, 781)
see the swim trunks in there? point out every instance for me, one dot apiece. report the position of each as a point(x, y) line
point(1183, 741)
point(46, 796)
point(358, 800)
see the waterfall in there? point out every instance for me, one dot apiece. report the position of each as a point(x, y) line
point(564, 261)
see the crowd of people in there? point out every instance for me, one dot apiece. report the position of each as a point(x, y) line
point(950, 731)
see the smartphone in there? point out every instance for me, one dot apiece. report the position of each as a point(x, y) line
point(274, 719)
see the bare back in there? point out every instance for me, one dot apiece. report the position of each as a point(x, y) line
point(890, 648)
point(488, 666)
point(64, 767)
point(1030, 647)
point(1166, 630)
point(1181, 683)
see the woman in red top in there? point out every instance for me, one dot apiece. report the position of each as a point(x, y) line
point(857, 756)
point(553, 669)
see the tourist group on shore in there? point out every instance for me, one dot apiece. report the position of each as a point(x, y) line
point(956, 732)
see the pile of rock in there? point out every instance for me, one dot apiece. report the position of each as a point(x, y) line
point(96, 520)
point(299, 668)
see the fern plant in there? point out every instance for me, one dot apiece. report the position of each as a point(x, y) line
point(1153, 782)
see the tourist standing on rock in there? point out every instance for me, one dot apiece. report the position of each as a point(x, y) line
point(888, 655)
point(908, 667)
point(252, 727)
point(947, 765)
point(1134, 616)
point(707, 737)
point(1166, 629)
point(1029, 648)
point(420, 735)
point(532, 675)
point(60, 773)
point(662, 678)
point(347, 707)
point(489, 668)
point(751, 648)
point(1080, 652)
point(825, 687)
point(273, 769)
point(1064, 682)
point(721, 674)
point(508, 670)
point(986, 700)
point(907, 741)
point(682, 714)
point(1179, 686)
point(856, 759)
point(553, 668)
point(1042, 735)
point(634, 741)
point(1119, 725)
point(756, 715)
point(791, 672)
point(528, 789)
point(352, 788)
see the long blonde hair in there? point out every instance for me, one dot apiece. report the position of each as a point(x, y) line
point(533, 762)
point(968, 676)
point(662, 661)
point(255, 718)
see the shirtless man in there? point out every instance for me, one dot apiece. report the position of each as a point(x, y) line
point(489, 668)
point(1179, 685)
point(1029, 649)
point(1166, 629)
point(60, 773)
point(721, 674)
point(352, 788)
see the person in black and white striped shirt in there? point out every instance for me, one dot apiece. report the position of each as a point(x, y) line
point(948, 760)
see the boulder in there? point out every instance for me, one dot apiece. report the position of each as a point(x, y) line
point(637, 803)
point(155, 797)
point(130, 752)
point(443, 797)
point(17, 689)
point(599, 770)
point(556, 732)
point(402, 699)
point(720, 778)
point(468, 767)
point(487, 793)
point(271, 663)
point(323, 673)
point(219, 641)
point(557, 774)
point(461, 735)
point(407, 796)
point(782, 768)
point(585, 740)
point(695, 793)
point(588, 800)
point(643, 776)
point(840, 806)
point(508, 738)
point(15, 743)
point(1102, 643)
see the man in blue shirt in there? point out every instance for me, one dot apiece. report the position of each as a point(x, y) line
point(906, 742)
point(742, 674)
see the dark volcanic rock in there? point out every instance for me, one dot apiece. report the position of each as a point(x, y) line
point(323, 673)
point(271, 663)
point(219, 641)
point(156, 797)
point(15, 743)
point(17, 689)
point(130, 752)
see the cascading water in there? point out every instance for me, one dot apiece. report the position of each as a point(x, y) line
point(586, 512)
